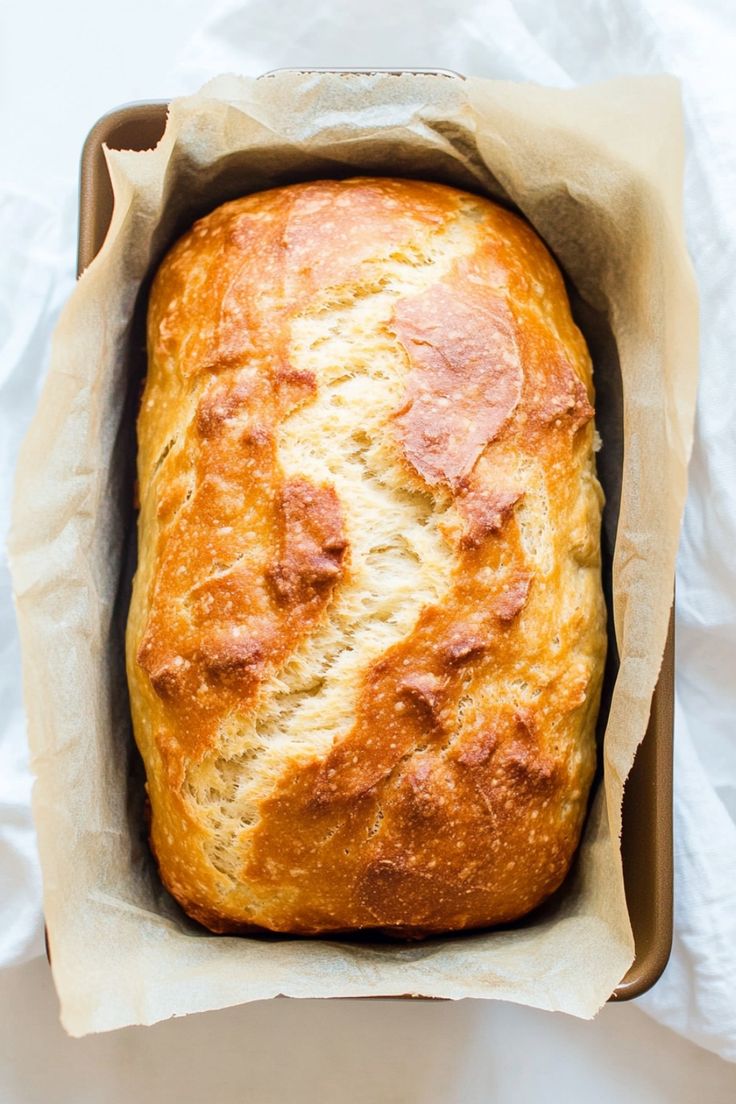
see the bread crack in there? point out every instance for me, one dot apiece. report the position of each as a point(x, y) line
point(400, 559)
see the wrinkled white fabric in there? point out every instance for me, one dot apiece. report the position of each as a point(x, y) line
point(560, 43)
point(696, 994)
point(37, 247)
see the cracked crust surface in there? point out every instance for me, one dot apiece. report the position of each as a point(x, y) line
point(367, 632)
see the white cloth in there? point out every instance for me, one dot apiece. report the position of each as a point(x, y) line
point(37, 246)
point(563, 43)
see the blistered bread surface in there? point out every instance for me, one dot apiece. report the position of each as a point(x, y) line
point(367, 632)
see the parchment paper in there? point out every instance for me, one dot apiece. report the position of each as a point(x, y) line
point(598, 171)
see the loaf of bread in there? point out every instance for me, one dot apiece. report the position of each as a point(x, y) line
point(367, 631)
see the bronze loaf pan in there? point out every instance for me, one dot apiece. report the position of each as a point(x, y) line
point(647, 808)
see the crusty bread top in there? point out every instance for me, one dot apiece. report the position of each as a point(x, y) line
point(367, 633)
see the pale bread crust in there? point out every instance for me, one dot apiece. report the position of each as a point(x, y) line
point(367, 632)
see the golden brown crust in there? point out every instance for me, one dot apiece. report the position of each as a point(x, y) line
point(448, 784)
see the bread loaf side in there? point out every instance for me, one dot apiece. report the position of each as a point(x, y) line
point(367, 632)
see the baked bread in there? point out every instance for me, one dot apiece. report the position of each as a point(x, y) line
point(367, 631)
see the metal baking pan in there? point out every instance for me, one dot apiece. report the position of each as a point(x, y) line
point(647, 807)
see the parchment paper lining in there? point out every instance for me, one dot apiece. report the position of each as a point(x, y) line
point(598, 171)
